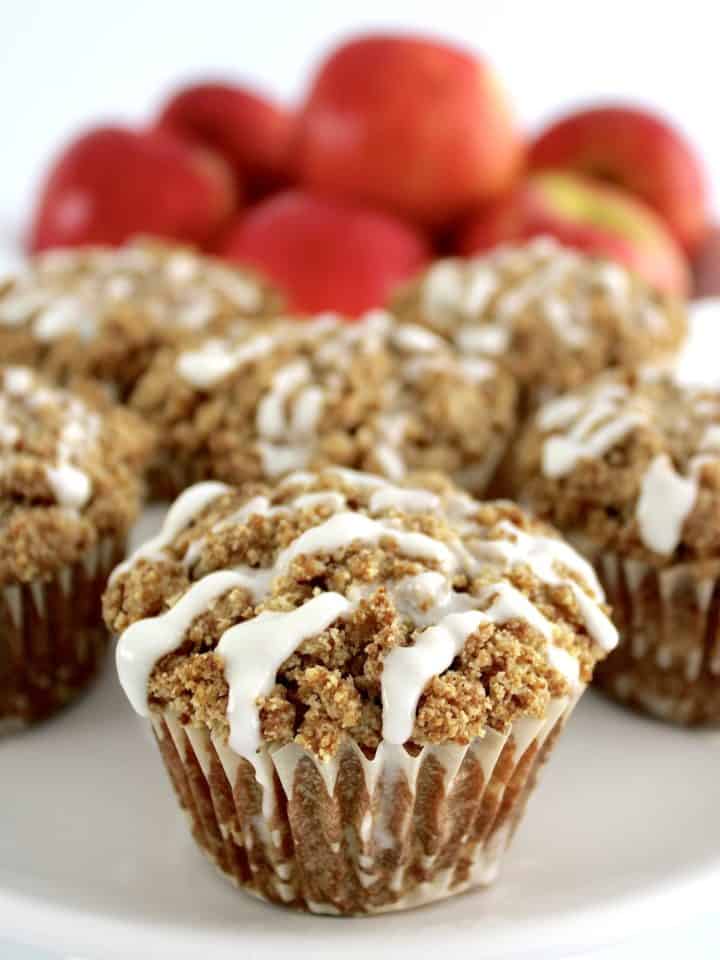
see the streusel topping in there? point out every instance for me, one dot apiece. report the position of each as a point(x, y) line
point(340, 605)
point(104, 312)
point(69, 473)
point(633, 462)
point(372, 395)
point(554, 316)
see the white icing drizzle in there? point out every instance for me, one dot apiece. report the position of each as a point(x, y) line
point(181, 514)
point(278, 459)
point(344, 528)
point(254, 650)
point(665, 501)
point(404, 499)
point(442, 289)
point(416, 339)
point(608, 415)
point(213, 361)
point(407, 670)
point(271, 419)
point(559, 412)
point(493, 339)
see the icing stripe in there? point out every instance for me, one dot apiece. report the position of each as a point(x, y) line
point(253, 653)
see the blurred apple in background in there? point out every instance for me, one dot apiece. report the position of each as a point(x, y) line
point(706, 265)
point(636, 150)
point(587, 215)
point(407, 125)
point(324, 254)
point(250, 132)
point(112, 183)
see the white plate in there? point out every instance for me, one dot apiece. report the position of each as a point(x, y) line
point(622, 833)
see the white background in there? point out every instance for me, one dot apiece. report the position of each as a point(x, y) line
point(67, 65)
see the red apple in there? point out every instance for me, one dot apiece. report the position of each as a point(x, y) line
point(706, 265)
point(112, 183)
point(636, 150)
point(409, 125)
point(588, 215)
point(324, 254)
point(249, 131)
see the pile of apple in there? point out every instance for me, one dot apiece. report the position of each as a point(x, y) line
point(403, 149)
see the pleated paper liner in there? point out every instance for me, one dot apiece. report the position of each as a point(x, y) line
point(668, 660)
point(357, 835)
point(52, 638)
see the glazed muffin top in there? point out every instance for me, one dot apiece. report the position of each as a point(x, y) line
point(104, 312)
point(633, 463)
point(338, 605)
point(554, 316)
point(371, 395)
point(70, 466)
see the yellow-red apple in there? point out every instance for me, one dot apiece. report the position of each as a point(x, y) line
point(636, 150)
point(585, 214)
point(409, 125)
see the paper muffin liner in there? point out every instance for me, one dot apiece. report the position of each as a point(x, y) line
point(52, 637)
point(668, 659)
point(357, 835)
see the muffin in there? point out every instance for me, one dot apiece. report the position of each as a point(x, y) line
point(281, 396)
point(628, 468)
point(103, 313)
point(69, 491)
point(353, 683)
point(555, 317)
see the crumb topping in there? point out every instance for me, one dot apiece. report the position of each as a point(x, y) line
point(633, 462)
point(69, 473)
point(104, 312)
point(373, 395)
point(337, 604)
point(553, 316)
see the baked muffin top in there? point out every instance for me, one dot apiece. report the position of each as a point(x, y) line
point(553, 315)
point(104, 312)
point(372, 395)
point(633, 463)
point(338, 605)
point(70, 467)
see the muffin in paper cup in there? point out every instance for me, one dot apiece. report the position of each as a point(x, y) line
point(629, 469)
point(70, 469)
point(353, 684)
point(286, 395)
point(554, 317)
